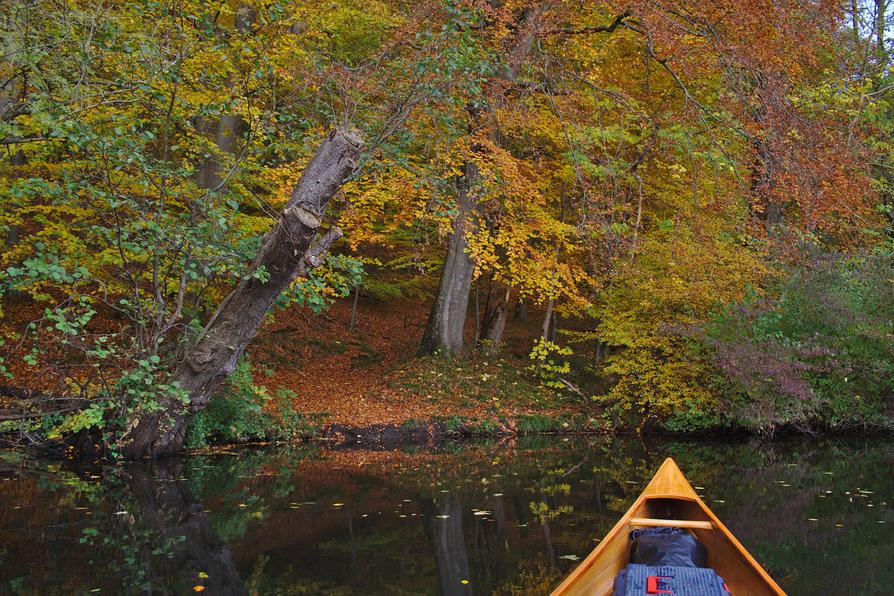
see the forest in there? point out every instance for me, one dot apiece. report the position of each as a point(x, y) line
point(234, 220)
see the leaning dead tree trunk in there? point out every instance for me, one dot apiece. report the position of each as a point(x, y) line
point(283, 256)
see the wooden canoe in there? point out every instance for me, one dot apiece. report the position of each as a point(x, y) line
point(669, 500)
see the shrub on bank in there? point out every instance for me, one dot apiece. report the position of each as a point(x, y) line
point(820, 354)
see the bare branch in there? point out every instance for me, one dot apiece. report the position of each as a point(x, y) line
point(619, 21)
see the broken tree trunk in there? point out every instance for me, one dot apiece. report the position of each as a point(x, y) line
point(284, 256)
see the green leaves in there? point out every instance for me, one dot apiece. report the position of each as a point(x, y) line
point(549, 367)
point(334, 279)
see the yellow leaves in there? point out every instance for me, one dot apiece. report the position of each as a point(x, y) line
point(379, 203)
point(281, 180)
point(675, 283)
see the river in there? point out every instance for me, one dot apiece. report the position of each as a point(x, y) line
point(510, 517)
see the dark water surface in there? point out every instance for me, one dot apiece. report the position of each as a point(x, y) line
point(506, 517)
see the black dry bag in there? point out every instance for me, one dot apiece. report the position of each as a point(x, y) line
point(667, 546)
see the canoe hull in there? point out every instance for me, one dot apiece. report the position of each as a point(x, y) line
point(670, 499)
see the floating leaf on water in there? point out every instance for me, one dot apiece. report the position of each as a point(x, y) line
point(829, 473)
point(482, 513)
point(498, 494)
point(338, 504)
point(198, 588)
point(463, 581)
point(812, 519)
point(719, 501)
point(203, 575)
point(120, 513)
point(699, 488)
point(839, 525)
point(442, 516)
point(570, 557)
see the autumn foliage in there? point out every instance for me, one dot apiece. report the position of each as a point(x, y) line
point(653, 178)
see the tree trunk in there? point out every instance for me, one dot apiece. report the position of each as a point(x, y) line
point(547, 318)
point(226, 132)
point(445, 330)
point(354, 308)
point(495, 320)
point(283, 256)
point(520, 313)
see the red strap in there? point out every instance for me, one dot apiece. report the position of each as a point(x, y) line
point(652, 585)
point(726, 587)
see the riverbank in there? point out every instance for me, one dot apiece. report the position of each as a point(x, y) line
point(319, 376)
point(352, 377)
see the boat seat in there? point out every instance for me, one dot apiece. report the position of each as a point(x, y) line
point(648, 522)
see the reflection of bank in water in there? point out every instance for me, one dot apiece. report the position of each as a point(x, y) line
point(517, 518)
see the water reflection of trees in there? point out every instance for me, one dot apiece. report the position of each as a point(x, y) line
point(173, 516)
point(444, 525)
point(338, 523)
